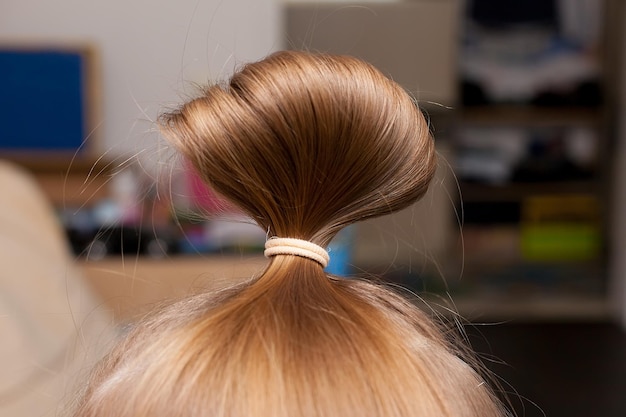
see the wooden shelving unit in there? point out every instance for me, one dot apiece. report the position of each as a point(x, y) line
point(499, 280)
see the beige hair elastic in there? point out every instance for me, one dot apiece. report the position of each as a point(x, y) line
point(297, 247)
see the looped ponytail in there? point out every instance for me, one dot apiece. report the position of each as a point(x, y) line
point(305, 144)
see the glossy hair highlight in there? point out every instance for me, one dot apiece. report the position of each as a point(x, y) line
point(305, 144)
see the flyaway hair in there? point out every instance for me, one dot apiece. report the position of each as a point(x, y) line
point(305, 144)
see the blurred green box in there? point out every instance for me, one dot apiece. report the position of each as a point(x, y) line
point(561, 228)
point(560, 242)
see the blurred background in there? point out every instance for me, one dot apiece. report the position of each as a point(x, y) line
point(521, 233)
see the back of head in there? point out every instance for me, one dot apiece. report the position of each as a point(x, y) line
point(305, 144)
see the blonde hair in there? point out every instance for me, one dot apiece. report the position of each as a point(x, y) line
point(305, 144)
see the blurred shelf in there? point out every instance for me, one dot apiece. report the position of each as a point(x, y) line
point(131, 286)
point(516, 192)
point(55, 162)
point(485, 308)
point(512, 115)
point(491, 281)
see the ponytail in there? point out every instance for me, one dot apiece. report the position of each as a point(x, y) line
point(305, 144)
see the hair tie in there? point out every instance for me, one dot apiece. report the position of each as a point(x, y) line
point(298, 247)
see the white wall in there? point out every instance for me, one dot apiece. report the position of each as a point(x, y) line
point(149, 49)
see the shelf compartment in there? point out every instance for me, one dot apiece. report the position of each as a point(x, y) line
point(528, 116)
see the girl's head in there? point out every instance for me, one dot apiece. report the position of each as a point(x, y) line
point(305, 144)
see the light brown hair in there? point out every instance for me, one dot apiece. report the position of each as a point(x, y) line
point(305, 144)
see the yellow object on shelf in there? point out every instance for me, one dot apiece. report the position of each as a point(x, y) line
point(561, 228)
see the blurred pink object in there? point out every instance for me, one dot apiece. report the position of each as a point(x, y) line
point(202, 196)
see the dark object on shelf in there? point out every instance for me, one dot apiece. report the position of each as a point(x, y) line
point(547, 161)
point(587, 94)
point(491, 212)
point(472, 94)
point(120, 240)
point(505, 13)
